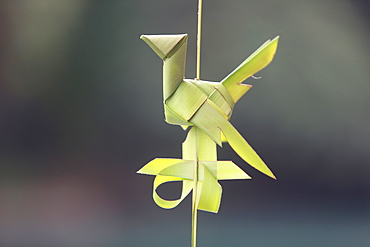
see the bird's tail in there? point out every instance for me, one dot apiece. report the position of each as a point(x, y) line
point(254, 63)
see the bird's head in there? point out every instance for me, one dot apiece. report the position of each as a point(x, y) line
point(165, 45)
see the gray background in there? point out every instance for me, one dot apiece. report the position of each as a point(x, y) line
point(81, 112)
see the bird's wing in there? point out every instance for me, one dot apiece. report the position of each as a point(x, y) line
point(208, 119)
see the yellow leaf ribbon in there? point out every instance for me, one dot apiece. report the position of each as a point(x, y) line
point(206, 107)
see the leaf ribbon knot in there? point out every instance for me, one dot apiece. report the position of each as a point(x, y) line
point(209, 172)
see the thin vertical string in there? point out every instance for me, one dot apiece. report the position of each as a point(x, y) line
point(196, 164)
point(194, 209)
point(199, 36)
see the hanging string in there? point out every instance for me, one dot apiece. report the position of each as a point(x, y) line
point(195, 191)
point(200, 10)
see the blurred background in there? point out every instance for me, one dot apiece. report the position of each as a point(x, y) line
point(81, 112)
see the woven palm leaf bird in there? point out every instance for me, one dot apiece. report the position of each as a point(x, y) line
point(206, 107)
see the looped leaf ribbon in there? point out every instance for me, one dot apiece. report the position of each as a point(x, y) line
point(170, 170)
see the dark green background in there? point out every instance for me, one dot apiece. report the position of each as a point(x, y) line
point(81, 112)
